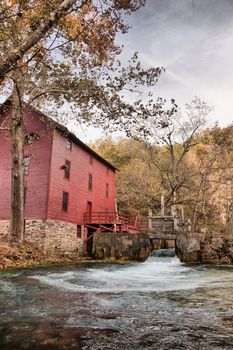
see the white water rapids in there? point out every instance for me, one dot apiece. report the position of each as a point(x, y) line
point(158, 304)
point(157, 274)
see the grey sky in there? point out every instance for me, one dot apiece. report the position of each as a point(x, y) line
point(193, 40)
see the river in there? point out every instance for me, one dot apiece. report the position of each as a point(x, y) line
point(158, 304)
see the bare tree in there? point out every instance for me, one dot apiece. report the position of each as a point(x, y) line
point(177, 137)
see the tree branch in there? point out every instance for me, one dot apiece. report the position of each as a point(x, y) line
point(51, 91)
point(7, 64)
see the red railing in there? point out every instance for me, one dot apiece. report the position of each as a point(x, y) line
point(109, 218)
point(120, 222)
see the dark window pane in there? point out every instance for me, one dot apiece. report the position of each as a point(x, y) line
point(90, 182)
point(65, 201)
point(91, 160)
point(107, 190)
point(67, 169)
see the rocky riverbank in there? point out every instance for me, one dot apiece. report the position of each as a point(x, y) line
point(205, 248)
point(191, 247)
point(27, 255)
point(106, 248)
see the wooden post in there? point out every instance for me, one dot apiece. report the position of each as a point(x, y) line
point(150, 220)
point(162, 205)
point(173, 207)
point(182, 213)
point(189, 225)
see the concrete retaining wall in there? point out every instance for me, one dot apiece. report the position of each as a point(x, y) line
point(122, 245)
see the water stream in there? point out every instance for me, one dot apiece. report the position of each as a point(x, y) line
point(159, 304)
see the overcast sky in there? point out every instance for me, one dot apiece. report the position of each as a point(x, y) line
point(193, 41)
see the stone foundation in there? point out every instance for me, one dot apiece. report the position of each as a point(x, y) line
point(4, 229)
point(51, 237)
point(122, 245)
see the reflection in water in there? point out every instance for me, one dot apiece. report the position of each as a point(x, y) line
point(159, 304)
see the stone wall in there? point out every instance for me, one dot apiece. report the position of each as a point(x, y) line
point(51, 237)
point(122, 245)
point(4, 228)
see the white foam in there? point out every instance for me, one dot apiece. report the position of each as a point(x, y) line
point(155, 275)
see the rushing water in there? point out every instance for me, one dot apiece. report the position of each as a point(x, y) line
point(159, 304)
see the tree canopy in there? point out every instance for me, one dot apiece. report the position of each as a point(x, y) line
point(202, 178)
point(65, 54)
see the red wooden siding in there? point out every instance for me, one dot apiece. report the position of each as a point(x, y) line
point(40, 157)
point(77, 185)
point(46, 181)
point(36, 182)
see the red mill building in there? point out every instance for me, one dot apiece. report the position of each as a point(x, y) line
point(69, 189)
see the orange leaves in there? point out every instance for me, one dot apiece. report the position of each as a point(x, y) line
point(72, 25)
point(92, 29)
point(75, 23)
point(78, 27)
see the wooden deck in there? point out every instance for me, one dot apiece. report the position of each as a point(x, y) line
point(111, 221)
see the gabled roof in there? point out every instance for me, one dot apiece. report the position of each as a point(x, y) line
point(64, 131)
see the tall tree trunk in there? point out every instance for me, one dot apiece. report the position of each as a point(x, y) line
point(17, 173)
